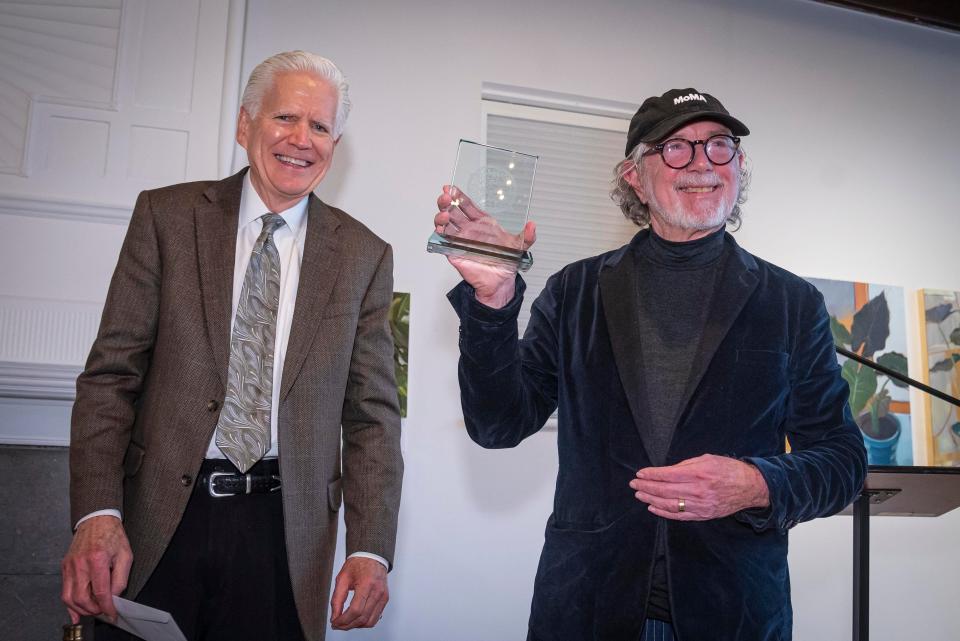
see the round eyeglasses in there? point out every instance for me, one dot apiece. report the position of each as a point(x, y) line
point(678, 153)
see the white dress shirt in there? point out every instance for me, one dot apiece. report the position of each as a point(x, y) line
point(289, 239)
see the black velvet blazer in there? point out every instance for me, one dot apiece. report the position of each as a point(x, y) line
point(765, 371)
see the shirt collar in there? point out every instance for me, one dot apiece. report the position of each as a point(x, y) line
point(252, 208)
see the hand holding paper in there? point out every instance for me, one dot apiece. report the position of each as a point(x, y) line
point(145, 622)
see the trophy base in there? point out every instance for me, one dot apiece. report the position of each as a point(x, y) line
point(516, 259)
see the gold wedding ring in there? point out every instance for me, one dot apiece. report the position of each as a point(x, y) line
point(681, 505)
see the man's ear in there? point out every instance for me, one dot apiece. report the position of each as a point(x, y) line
point(243, 127)
point(632, 176)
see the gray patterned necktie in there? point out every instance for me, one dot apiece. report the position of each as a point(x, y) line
point(243, 432)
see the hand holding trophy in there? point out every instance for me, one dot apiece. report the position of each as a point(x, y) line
point(482, 224)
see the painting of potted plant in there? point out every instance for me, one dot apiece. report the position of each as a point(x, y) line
point(941, 316)
point(869, 394)
point(860, 320)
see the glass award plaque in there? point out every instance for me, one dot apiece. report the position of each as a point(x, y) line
point(491, 189)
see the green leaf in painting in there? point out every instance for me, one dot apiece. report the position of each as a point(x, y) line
point(939, 313)
point(862, 382)
point(841, 335)
point(943, 366)
point(871, 326)
point(897, 362)
point(399, 318)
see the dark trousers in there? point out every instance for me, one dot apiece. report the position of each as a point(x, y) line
point(224, 576)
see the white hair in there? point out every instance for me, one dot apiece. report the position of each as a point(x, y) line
point(262, 77)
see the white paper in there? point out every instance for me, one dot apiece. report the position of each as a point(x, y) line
point(145, 622)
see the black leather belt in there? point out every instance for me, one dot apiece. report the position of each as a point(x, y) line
point(221, 478)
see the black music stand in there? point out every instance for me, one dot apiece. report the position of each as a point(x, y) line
point(893, 491)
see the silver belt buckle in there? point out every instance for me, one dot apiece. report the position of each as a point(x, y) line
point(249, 478)
point(216, 475)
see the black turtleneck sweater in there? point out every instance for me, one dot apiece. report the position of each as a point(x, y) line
point(676, 283)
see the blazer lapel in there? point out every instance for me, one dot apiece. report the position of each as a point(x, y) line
point(735, 285)
point(216, 218)
point(621, 302)
point(319, 269)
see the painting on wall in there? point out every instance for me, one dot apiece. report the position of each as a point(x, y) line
point(870, 320)
point(940, 345)
point(400, 328)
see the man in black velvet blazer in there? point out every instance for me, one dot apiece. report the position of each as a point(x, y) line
point(678, 364)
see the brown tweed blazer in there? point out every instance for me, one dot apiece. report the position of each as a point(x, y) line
point(149, 398)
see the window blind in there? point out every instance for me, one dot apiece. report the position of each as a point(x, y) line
point(571, 204)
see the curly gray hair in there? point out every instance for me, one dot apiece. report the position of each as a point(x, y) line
point(622, 193)
point(261, 81)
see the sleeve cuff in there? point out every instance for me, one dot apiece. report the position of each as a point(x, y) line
point(371, 555)
point(463, 298)
point(772, 516)
point(115, 513)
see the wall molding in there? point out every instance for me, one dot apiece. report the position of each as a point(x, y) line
point(38, 381)
point(63, 209)
point(232, 86)
point(34, 441)
point(530, 97)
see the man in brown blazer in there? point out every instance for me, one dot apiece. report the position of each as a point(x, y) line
point(160, 515)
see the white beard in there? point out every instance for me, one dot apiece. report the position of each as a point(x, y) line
point(684, 218)
point(701, 219)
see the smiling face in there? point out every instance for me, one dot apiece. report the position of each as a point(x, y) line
point(689, 203)
point(290, 142)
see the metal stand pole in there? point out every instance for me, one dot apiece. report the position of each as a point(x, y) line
point(861, 567)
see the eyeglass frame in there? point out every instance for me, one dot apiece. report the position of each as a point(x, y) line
point(658, 149)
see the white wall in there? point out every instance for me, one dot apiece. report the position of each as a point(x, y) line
point(821, 90)
point(855, 177)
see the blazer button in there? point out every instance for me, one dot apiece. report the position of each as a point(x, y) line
point(186, 480)
point(212, 406)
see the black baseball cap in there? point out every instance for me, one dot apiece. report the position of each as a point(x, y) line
point(658, 116)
